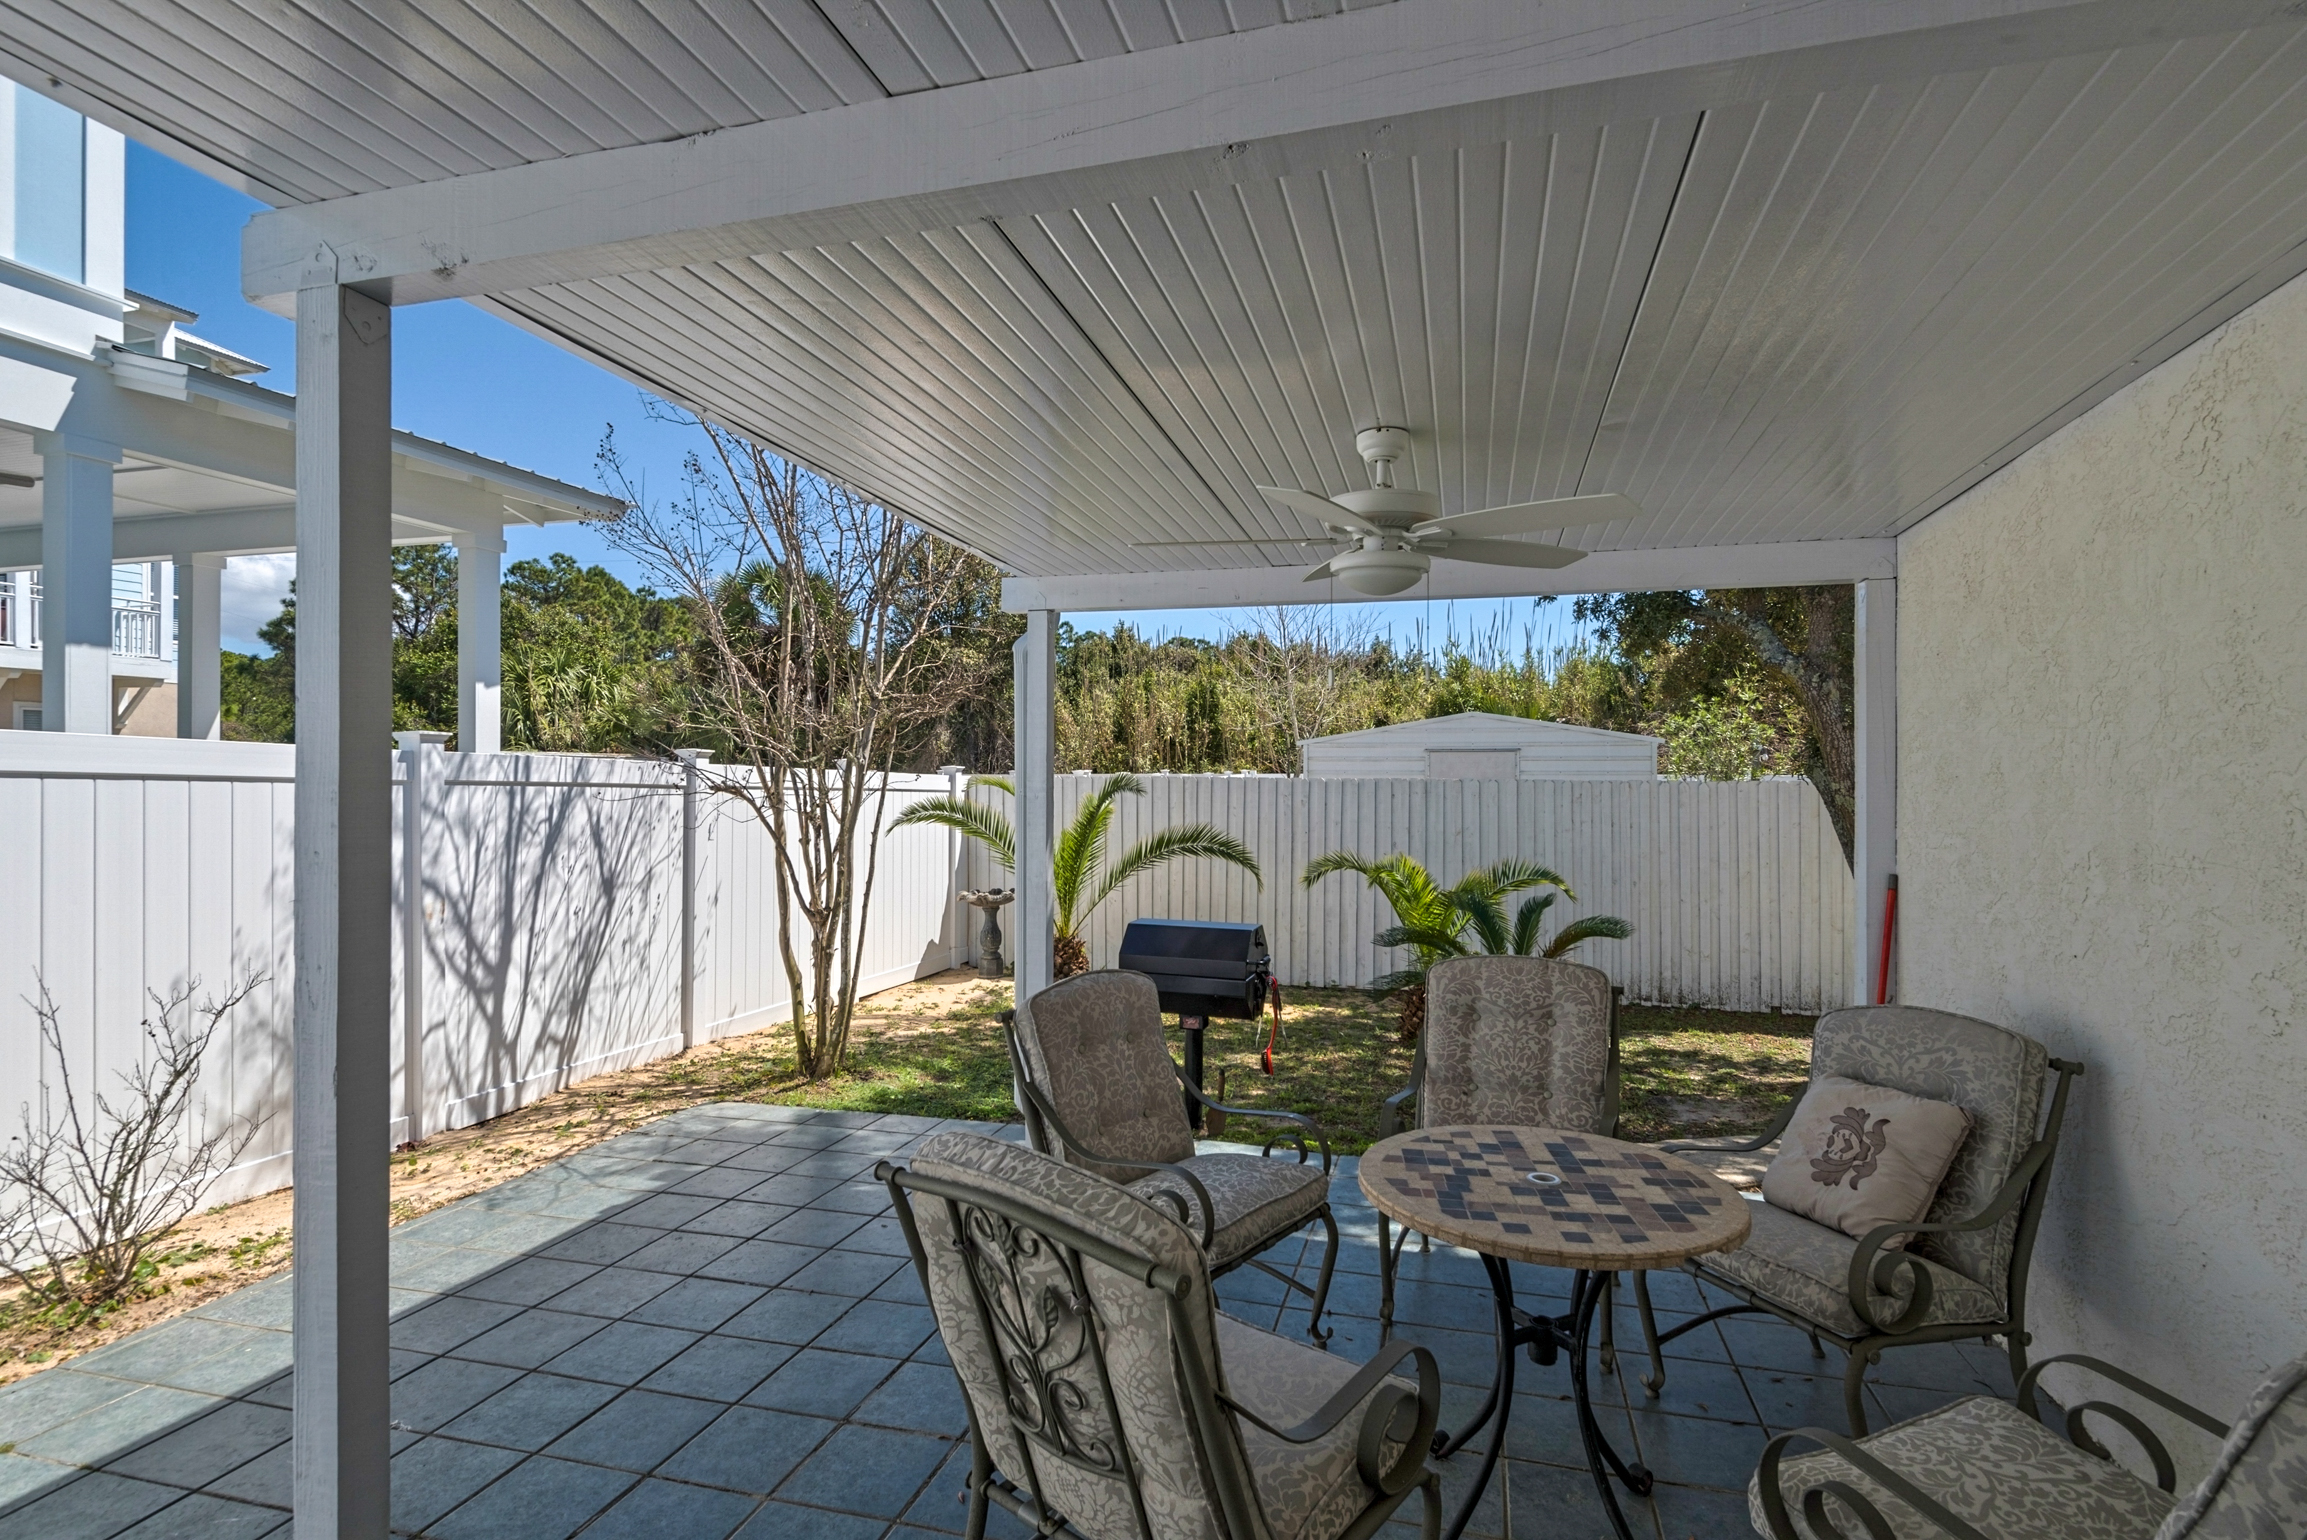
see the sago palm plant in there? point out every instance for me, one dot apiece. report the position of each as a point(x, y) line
point(1435, 922)
point(1079, 876)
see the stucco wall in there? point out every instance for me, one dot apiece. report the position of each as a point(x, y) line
point(2103, 838)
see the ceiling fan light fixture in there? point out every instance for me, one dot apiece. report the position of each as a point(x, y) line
point(1379, 574)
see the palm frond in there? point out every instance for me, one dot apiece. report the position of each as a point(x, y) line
point(1526, 921)
point(1437, 943)
point(1405, 884)
point(974, 819)
point(1193, 839)
point(1513, 874)
point(1400, 979)
point(997, 782)
point(1483, 915)
point(1074, 863)
point(1607, 927)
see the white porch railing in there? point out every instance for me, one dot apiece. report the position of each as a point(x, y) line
point(136, 625)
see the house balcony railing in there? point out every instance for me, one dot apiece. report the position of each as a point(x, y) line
point(136, 630)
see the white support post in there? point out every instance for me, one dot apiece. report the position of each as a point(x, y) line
point(421, 770)
point(1874, 730)
point(693, 763)
point(1034, 660)
point(956, 872)
point(75, 582)
point(199, 644)
point(480, 641)
point(343, 1003)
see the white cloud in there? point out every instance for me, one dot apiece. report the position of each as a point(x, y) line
point(253, 588)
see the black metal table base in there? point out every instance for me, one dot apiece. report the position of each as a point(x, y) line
point(1543, 1337)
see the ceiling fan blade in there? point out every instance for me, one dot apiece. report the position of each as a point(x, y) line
point(1321, 510)
point(1156, 545)
point(1529, 518)
point(1318, 574)
point(1508, 553)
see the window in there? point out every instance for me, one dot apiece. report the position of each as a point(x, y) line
point(28, 716)
point(50, 177)
point(1473, 764)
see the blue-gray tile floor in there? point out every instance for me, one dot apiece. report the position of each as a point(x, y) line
point(710, 1328)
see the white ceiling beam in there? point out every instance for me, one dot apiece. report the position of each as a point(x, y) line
point(1194, 114)
point(260, 531)
point(1605, 572)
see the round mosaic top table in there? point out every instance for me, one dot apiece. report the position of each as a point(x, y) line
point(1594, 1205)
point(1551, 1198)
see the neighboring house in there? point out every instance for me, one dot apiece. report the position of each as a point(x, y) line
point(136, 459)
point(1484, 746)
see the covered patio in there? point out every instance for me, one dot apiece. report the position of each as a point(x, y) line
point(1988, 307)
point(710, 1327)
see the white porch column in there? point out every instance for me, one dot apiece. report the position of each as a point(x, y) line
point(199, 640)
point(1874, 730)
point(75, 582)
point(1033, 948)
point(343, 1010)
point(480, 641)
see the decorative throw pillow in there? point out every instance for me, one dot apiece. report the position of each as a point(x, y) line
point(1858, 1156)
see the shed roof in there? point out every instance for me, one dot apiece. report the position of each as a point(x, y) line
point(1489, 729)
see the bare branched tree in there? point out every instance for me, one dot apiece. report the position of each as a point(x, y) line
point(1304, 657)
point(87, 1190)
point(826, 637)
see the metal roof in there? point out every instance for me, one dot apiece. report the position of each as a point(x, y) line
point(1805, 292)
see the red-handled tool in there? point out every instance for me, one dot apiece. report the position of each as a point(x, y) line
point(1274, 1035)
point(1889, 919)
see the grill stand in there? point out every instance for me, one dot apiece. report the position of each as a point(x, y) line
point(1193, 1027)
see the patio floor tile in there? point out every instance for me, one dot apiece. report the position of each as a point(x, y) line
point(823, 1384)
point(531, 1412)
point(720, 1368)
point(613, 1291)
point(655, 1510)
point(635, 1432)
point(788, 1316)
point(95, 1507)
point(923, 1397)
point(698, 1304)
point(202, 1517)
point(447, 1322)
point(208, 1446)
point(881, 1326)
point(434, 1475)
point(530, 1281)
point(539, 1499)
point(35, 1405)
point(739, 1218)
point(855, 1273)
point(624, 1353)
point(759, 1262)
point(866, 1470)
point(786, 1521)
point(528, 1339)
point(748, 1449)
point(97, 1436)
point(609, 1240)
point(444, 1390)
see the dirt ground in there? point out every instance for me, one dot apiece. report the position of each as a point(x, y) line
point(935, 1048)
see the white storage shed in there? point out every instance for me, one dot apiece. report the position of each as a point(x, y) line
point(1483, 746)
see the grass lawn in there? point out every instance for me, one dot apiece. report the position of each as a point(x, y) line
point(935, 1048)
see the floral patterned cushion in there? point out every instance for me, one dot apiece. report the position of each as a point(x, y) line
point(1309, 1491)
point(1991, 1466)
point(1805, 1266)
point(1516, 1041)
point(1254, 1200)
point(1995, 1076)
point(1093, 1045)
point(1140, 1348)
point(2257, 1489)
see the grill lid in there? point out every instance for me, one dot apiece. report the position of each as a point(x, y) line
point(1201, 949)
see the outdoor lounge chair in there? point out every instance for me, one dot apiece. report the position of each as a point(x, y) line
point(1982, 1469)
point(1518, 1041)
point(1099, 1090)
point(1965, 1275)
point(1107, 1396)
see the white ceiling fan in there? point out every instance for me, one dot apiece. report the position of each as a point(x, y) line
point(1390, 535)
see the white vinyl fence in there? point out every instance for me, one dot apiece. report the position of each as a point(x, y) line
point(1737, 890)
point(564, 899)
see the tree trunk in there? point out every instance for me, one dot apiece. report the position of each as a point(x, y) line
point(1817, 673)
point(1072, 957)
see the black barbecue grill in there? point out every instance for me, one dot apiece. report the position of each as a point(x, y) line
point(1203, 968)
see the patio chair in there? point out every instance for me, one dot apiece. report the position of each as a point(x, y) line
point(1109, 1399)
point(1099, 1090)
point(1517, 1041)
point(1965, 1274)
point(1982, 1469)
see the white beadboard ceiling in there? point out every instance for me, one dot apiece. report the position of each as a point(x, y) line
point(1777, 312)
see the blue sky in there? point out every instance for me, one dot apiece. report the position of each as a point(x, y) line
point(469, 379)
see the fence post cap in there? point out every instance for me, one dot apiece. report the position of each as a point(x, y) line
point(694, 756)
point(409, 742)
